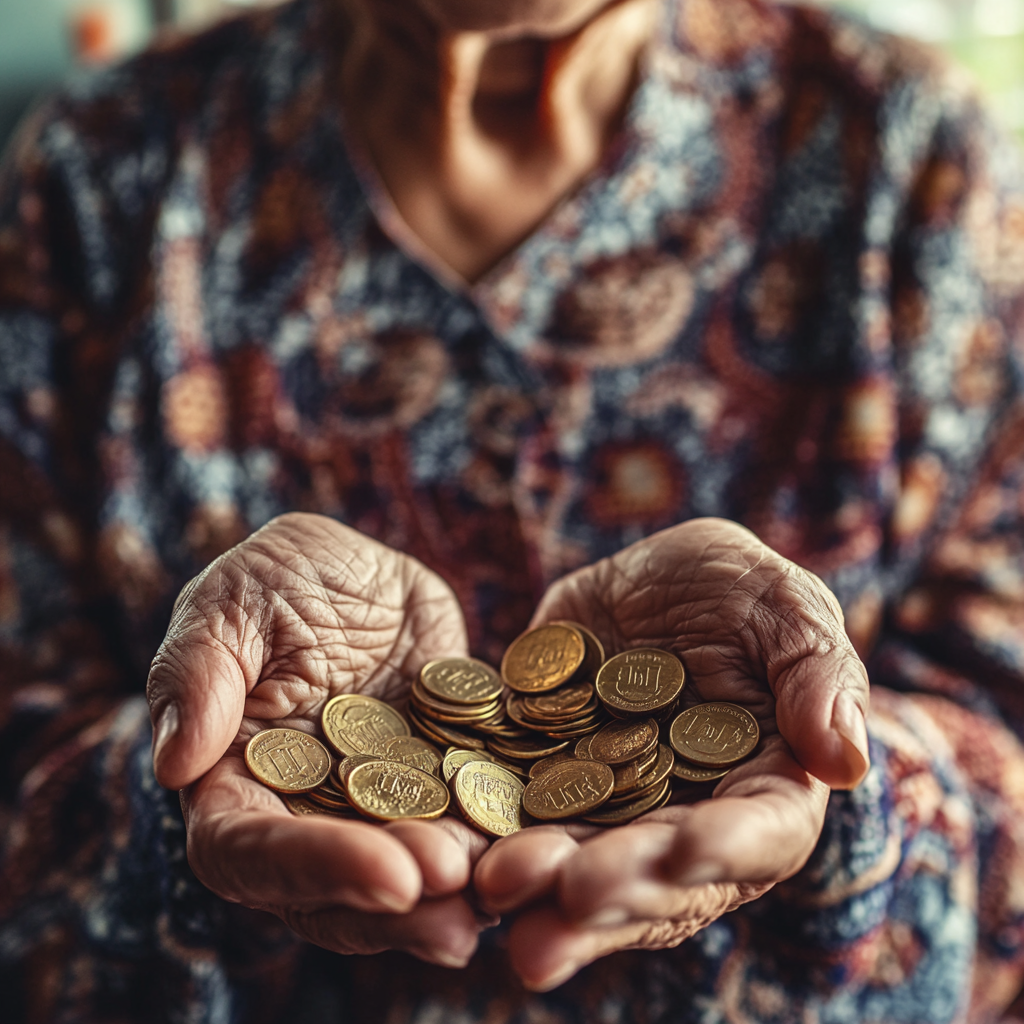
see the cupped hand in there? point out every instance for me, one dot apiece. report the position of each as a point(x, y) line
point(301, 611)
point(752, 628)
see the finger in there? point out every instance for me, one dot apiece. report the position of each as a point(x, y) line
point(521, 867)
point(546, 951)
point(820, 707)
point(196, 693)
point(443, 861)
point(760, 830)
point(444, 932)
point(245, 846)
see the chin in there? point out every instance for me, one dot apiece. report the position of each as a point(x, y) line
point(536, 17)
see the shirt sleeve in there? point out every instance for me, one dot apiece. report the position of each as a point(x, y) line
point(954, 595)
point(100, 916)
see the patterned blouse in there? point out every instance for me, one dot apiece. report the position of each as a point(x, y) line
point(792, 295)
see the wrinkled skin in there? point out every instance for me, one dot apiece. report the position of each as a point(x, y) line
point(753, 629)
point(306, 608)
point(301, 611)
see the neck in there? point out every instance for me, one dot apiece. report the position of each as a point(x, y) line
point(483, 110)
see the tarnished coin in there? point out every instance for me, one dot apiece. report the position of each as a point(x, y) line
point(543, 658)
point(640, 682)
point(568, 790)
point(714, 735)
point(623, 741)
point(412, 750)
point(390, 790)
point(287, 760)
point(356, 724)
point(455, 759)
point(461, 680)
point(693, 773)
point(622, 813)
point(583, 746)
point(490, 797)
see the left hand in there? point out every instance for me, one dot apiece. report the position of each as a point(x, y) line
point(754, 629)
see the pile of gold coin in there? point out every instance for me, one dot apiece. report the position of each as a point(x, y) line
point(561, 734)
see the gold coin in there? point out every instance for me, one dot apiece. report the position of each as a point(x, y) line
point(691, 773)
point(543, 658)
point(714, 734)
point(565, 701)
point(640, 682)
point(594, 657)
point(568, 790)
point(526, 749)
point(455, 759)
point(629, 776)
point(346, 764)
point(541, 766)
point(461, 680)
point(490, 797)
point(356, 724)
point(444, 733)
point(287, 760)
point(427, 703)
point(412, 750)
point(322, 798)
point(300, 806)
point(622, 813)
point(390, 790)
point(623, 741)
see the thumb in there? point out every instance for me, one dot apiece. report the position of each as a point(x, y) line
point(821, 702)
point(196, 692)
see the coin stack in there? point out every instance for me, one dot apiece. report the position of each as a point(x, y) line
point(572, 737)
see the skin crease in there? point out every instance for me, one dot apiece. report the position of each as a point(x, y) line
point(461, 104)
point(480, 117)
point(753, 629)
point(306, 608)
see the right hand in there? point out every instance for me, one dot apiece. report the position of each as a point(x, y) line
point(301, 611)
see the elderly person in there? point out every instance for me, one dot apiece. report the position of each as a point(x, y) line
point(384, 327)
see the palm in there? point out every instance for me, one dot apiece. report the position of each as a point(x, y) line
point(304, 610)
point(752, 629)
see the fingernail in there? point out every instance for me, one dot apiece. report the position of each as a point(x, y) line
point(445, 959)
point(848, 721)
point(389, 901)
point(166, 727)
point(610, 917)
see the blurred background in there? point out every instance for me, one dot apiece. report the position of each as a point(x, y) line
point(43, 40)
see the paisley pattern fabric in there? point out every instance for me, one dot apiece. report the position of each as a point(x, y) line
point(792, 295)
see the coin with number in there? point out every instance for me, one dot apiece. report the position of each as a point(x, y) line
point(568, 790)
point(715, 734)
point(390, 790)
point(490, 797)
point(287, 760)
point(641, 681)
point(356, 724)
point(543, 658)
point(461, 680)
